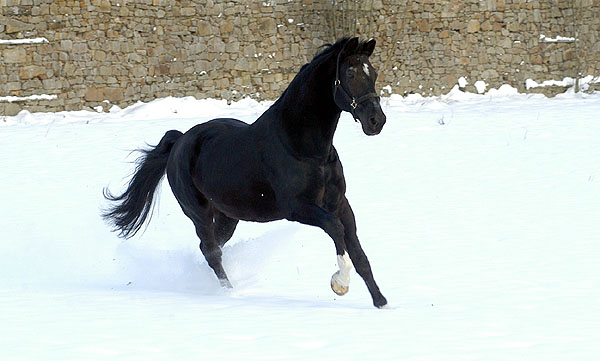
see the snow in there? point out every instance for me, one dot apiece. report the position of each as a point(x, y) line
point(584, 82)
point(567, 81)
point(12, 99)
point(23, 41)
point(482, 231)
point(480, 85)
point(386, 89)
point(558, 39)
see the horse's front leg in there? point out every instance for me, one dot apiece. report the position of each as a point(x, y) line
point(357, 255)
point(314, 215)
point(342, 231)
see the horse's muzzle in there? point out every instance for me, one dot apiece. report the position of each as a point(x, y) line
point(374, 123)
point(371, 116)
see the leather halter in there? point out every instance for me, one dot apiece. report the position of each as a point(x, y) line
point(353, 102)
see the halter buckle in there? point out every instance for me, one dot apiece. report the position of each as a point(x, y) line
point(353, 104)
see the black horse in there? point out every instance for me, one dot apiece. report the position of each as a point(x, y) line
point(283, 166)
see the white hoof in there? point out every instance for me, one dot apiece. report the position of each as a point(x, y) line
point(338, 286)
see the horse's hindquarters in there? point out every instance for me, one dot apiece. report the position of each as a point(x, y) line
point(227, 168)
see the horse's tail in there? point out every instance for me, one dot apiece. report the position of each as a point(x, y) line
point(131, 209)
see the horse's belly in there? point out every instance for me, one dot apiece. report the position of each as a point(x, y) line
point(258, 208)
point(255, 214)
point(249, 201)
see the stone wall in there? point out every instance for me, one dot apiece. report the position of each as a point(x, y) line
point(495, 41)
point(100, 52)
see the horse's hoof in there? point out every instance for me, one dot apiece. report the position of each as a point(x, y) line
point(380, 302)
point(225, 283)
point(337, 287)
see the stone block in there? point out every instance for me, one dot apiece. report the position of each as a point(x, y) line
point(15, 26)
point(232, 47)
point(31, 71)
point(505, 43)
point(66, 45)
point(241, 64)
point(188, 11)
point(457, 25)
point(176, 68)
point(267, 26)
point(105, 70)
point(10, 109)
point(139, 71)
point(51, 84)
point(486, 25)
point(506, 58)
point(218, 45)
point(14, 55)
point(250, 50)
point(226, 27)
point(113, 94)
point(134, 58)
point(473, 26)
point(31, 84)
point(100, 55)
point(12, 86)
point(535, 59)
point(513, 26)
point(104, 6)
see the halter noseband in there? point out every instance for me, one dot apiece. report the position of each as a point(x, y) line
point(354, 103)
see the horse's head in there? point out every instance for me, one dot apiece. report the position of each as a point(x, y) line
point(354, 86)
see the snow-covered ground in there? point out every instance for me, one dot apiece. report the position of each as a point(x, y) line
point(479, 213)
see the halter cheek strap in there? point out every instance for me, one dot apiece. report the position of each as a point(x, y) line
point(350, 100)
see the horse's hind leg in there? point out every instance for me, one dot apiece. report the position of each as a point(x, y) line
point(224, 228)
point(204, 217)
point(210, 248)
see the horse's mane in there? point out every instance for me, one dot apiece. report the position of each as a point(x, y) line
point(328, 50)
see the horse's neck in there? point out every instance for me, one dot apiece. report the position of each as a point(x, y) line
point(308, 114)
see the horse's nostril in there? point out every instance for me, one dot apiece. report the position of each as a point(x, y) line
point(373, 121)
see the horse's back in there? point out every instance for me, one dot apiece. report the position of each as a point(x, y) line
point(220, 127)
point(197, 137)
point(222, 136)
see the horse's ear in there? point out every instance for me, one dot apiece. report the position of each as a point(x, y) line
point(350, 47)
point(369, 47)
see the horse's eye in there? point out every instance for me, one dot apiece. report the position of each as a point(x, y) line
point(350, 73)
